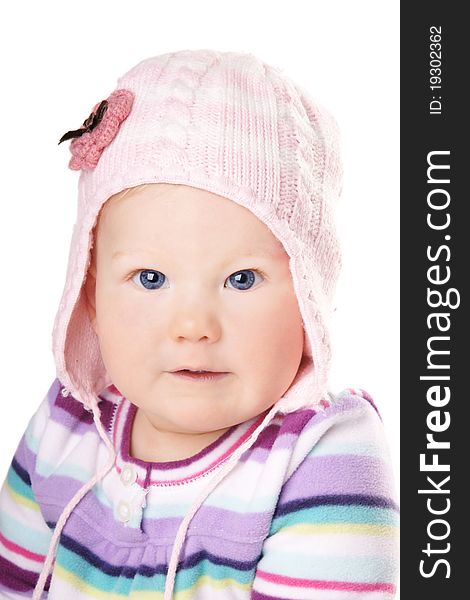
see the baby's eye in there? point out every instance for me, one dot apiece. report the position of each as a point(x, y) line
point(153, 280)
point(243, 280)
point(150, 279)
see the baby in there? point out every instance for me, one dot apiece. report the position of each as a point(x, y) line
point(189, 446)
point(159, 325)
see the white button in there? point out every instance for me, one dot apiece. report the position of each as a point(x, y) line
point(124, 511)
point(128, 475)
point(65, 392)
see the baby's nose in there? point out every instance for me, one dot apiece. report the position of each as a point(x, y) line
point(195, 324)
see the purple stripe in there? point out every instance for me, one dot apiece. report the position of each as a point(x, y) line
point(309, 419)
point(264, 442)
point(107, 409)
point(192, 559)
point(259, 596)
point(292, 425)
point(244, 530)
point(24, 457)
point(338, 474)
point(20, 471)
point(72, 411)
point(56, 386)
point(340, 500)
point(118, 569)
point(296, 421)
point(17, 579)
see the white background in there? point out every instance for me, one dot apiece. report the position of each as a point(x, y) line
point(59, 59)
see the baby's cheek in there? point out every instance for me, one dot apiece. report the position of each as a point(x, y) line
point(285, 335)
point(274, 335)
point(116, 320)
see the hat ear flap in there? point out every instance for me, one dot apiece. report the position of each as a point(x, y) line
point(82, 353)
point(89, 292)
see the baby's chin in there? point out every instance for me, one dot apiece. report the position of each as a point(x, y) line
point(198, 415)
point(200, 420)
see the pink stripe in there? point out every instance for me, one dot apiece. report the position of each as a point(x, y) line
point(326, 585)
point(221, 458)
point(21, 551)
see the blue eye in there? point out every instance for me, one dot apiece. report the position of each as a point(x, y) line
point(154, 280)
point(150, 279)
point(243, 280)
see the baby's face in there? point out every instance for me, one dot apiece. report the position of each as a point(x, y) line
point(184, 277)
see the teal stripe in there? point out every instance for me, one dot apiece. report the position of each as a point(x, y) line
point(80, 568)
point(65, 469)
point(22, 533)
point(336, 514)
point(29, 538)
point(18, 485)
point(188, 577)
point(240, 505)
point(31, 440)
point(355, 449)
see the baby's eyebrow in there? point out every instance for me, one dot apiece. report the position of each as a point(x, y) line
point(261, 251)
point(137, 253)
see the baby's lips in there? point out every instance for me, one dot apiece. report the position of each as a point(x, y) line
point(98, 129)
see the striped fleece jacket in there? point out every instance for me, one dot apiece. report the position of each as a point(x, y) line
point(308, 512)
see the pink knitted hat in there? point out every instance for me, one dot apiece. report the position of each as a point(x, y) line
point(230, 124)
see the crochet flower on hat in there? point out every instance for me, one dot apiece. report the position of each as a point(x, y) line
point(98, 130)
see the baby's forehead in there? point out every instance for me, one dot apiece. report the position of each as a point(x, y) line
point(175, 215)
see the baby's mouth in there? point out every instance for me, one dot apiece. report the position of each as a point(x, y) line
point(201, 376)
